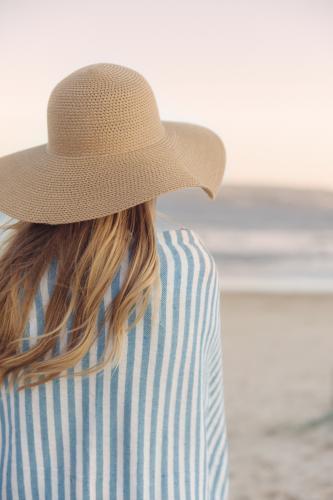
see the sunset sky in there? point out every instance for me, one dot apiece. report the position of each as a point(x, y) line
point(259, 73)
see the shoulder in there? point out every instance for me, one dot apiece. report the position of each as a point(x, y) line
point(177, 240)
point(184, 248)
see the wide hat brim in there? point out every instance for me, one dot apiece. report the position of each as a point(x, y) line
point(42, 187)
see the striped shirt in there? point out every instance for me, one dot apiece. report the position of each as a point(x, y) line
point(151, 429)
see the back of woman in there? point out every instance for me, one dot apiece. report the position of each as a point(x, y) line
point(152, 428)
point(113, 325)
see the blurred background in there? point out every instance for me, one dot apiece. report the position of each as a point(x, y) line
point(260, 74)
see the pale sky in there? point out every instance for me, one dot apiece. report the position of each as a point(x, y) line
point(259, 73)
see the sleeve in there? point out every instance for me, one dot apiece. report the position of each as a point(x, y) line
point(216, 429)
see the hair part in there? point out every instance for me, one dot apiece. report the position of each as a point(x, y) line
point(88, 255)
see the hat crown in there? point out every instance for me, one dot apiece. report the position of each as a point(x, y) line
point(100, 109)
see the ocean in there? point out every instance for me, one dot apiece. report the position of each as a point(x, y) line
point(263, 239)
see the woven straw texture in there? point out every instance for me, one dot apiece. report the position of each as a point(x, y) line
point(107, 150)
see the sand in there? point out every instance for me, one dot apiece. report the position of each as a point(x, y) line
point(278, 376)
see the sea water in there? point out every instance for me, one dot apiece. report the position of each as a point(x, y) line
point(263, 239)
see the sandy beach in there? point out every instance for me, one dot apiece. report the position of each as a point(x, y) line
point(278, 375)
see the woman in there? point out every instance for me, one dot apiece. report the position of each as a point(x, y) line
point(110, 350)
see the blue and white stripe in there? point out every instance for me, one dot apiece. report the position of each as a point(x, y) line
point(152, 429)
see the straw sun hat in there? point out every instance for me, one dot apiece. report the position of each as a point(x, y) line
point(107, 150)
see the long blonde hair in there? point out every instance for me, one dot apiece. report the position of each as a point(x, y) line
point(88, 255)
